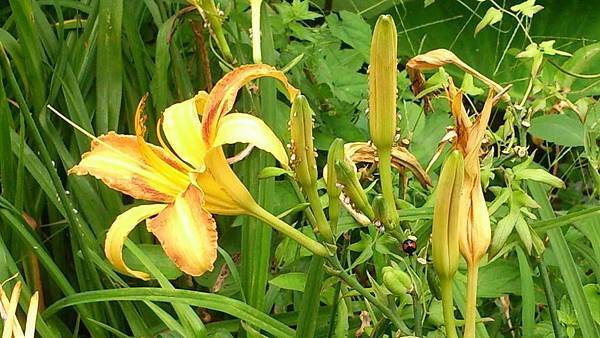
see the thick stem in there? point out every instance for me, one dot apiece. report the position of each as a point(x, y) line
point(322, 224)
point(418, 314)
point(256, 51)
point(470, 318)
point(550, 298)
point(448, 307)
point(286, 229)
point(387, 187)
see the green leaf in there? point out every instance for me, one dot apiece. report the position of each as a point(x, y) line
point(194, 298)
point(527, 8)
point(352, 30)
point(468, 87)
point(560, 129)
point(157, 255)
point(491, 17)
point(592, 294)
point(269, 172)
point(290, 281)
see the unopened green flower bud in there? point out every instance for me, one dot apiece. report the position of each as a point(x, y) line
point(336, 153)
point(346, 176)
point(303, 161)
point(303, 151)
point(383, 83)
point(448, 217)
point(397, 281)
point(380, 209)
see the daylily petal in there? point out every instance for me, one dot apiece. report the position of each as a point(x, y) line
point(187, 232)
point(217, 200)
point(170, 169)
point(116, 160)
point(182, 127)
point(120, 229)
point(245, 128)
point(222, 98)
point(228, 180)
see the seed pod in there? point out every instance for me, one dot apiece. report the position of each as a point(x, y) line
point(303, 161)
point(336, 153)
point(352, 188)
point(447, 215)
point(397, 281)
point(383, 83)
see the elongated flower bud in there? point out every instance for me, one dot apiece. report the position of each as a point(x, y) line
point(351, 187)
point(336, 153)
point(397, 281)
point(383, 83)
point(383, 88)
point(303, 160)
point(447, 215)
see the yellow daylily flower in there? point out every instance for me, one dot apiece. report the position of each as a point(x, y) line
point(188, 174)
point(8, 309)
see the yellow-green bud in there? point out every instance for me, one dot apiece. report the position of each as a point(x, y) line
point(303, 161)
point(397, 281)
point(352, 188)
point(380, 209)
point(303, 151)
point(336, 153)
point(383, 83)
point(448, 216)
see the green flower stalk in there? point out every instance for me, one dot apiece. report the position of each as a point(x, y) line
point(214, 17)
point(256, 49)
point(336, 153)
point(447, 215)
point(382, 105)
point(355, 194)
point(303, 161)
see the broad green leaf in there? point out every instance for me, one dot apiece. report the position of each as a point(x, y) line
point(290, 281)
point(560, 129)
point(157, 255)
point(527, 8)
point(492, 16)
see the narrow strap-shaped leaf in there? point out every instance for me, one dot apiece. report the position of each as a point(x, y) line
point(566, 264)
point(207, 300)
point(527, 295)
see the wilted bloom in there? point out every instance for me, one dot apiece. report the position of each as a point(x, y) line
point(189, 178)
point(8, 310)
point(363, 152)
point(439, 58)
point(475, 233)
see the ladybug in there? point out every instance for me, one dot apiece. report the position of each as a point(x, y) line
point(409, 246)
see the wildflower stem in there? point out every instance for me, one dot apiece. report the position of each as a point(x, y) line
point(256, 51)
point(322, 224)
point(470, 318)
point(354, 284)
point(385, 174)
point(448, 307)
point(286, 229)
